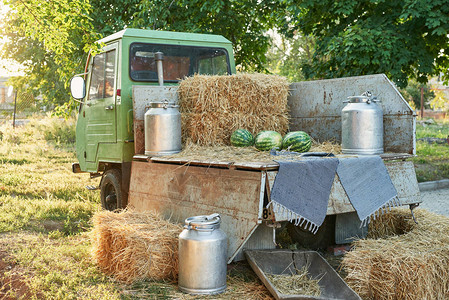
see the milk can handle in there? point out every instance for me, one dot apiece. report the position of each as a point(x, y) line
point(215, 215)
point(373, 99)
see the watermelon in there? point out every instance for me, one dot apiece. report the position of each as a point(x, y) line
point(297, 141)
point(242, 138)
point(267, 140)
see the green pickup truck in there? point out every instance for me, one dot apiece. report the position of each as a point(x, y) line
point(121, 83)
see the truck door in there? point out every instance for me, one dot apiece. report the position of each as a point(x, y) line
point(101, 117)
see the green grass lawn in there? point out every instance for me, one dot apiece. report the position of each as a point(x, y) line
point(45, 222)
point(432, 161)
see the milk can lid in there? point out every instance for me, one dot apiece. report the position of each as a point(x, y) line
point(366, 97)
point(209, 222)
point(358, 99)
point(164, 104)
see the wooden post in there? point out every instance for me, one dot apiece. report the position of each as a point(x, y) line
point(15, 106)
point(422, 102)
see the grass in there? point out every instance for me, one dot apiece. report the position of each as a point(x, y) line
point(36, 182)
point(58, 266)
point(45, 212)
point(439, 129)
point(45, 221)
point(432, 161)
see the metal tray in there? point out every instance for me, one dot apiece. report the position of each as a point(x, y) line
point(287, 261)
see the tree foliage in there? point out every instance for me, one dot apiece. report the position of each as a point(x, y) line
point(287, 56)
point(441, 100)
point(402, 38)
point(326, 39)
point(110, 16)
point(243, 22)
point(412, 93)
point(51, 38)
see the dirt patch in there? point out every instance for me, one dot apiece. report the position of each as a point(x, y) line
point(12, 283)
point(51, 225)
point(47, 225)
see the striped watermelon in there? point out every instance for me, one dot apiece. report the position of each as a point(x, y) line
point(242, 138)
point(267, 140)
point(297, 141)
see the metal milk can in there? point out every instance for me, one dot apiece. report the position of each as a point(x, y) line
point(162, 129)
point(202, 256)
point(362, 125)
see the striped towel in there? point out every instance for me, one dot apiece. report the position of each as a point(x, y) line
point(302, 187)
point(301, 190)
point(368, 186)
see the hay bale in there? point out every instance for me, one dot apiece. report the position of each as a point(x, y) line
point(213, 107)
point(395, 222)
point(131, 246)
point(413, 265)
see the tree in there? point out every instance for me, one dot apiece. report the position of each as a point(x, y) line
point(243, 22)
point(110, 16)
point(441, 99)
point(41, 72)
point(287, 56)
point(51, 38)
point(402, 38)
point(412, 93)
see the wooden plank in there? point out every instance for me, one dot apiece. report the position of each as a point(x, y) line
point(265, 165)
point(403, 176)
point(395, 156)
point(245, 165)
point(182, 161)
point(250, 165)
point(179, 192)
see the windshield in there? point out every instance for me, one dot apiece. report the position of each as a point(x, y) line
point(179, 61)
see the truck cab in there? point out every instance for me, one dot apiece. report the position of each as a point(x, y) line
point(104, 131)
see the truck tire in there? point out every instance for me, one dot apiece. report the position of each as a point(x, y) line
point(110, 190)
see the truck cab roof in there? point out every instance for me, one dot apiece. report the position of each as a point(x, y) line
point(163, 36)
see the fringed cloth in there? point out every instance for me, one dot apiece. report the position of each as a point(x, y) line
point(301, 190)
point(302, 187)
point(368, 185)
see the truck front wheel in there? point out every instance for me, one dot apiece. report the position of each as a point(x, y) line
point(110, 190)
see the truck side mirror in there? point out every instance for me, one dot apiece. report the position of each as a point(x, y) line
point(77, 87)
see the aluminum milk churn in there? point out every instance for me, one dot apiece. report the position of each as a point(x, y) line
point(202, 256)
point(162, 129)
point(362, 125)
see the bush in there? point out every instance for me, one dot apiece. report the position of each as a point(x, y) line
point(57, 130)
point(60, 131)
